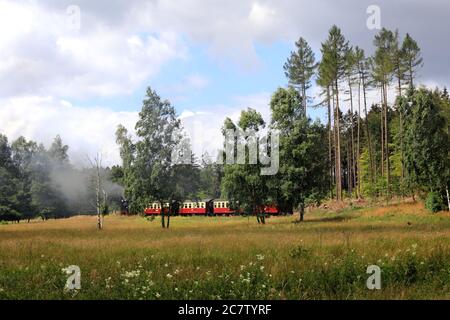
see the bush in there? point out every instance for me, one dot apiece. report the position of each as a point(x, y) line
point(434, 202)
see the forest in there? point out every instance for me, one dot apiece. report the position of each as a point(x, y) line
point(394, 146)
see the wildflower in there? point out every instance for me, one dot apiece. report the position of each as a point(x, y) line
point(414, 246)
point(260, 257)
point(169, 276)
point(261, 268)
point(132, 274)
point(157, 295)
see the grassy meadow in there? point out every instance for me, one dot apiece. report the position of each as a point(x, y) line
point(325, 257)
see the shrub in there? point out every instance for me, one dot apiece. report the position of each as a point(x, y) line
point(434, 202)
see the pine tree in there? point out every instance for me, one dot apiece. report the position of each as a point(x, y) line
point(382, 71)
point(300, 68)
point(333, 59)
point(412, 56)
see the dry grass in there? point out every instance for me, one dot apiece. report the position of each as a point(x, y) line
point(204, 256)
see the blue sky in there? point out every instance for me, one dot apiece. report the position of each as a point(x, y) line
point(78, 68)
point(225, 80)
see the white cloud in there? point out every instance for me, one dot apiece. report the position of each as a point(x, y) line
point(91, 131)
point(86, 131)
point(204, 126)
point(41, 55)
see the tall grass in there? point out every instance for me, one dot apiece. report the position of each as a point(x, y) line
point(232, 258)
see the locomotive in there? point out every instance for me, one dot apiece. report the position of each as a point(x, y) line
point(124, 207)
point(207, 207)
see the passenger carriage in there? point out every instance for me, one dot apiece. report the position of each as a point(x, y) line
point(207, 207)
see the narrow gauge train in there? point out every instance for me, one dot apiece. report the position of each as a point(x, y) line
point(209, 207)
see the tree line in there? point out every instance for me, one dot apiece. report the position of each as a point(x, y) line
point(384, 149)
point(36, 182)
point(396, 146)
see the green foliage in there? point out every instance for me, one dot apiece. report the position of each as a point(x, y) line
point(300, 68)
point(303, 155)
point(426, 141)
point(243, 184)
point(149, 172)
point(434, 202)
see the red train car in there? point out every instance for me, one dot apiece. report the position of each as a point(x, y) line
point(155, 209)
point(209, 207)
point(193, 208)
point(222, 208)
point(271, 210)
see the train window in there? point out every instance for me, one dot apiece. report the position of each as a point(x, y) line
point(190, 206)
point(215, 205)
point(226, 204)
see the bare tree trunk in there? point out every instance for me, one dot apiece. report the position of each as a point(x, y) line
point(349, 169)
point(353, 162)
point(358, 146)
point(338, 145)
point(330, 157)
point(334, 143)
point(448, 198)
point(97, 199)
point(169, 213)
point(382, 133)
point(369, 139)
point(163, 221)
point(386, 142)
point(302, 211)
point(402, 155)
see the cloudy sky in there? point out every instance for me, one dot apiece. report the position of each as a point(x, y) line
point(79, 68)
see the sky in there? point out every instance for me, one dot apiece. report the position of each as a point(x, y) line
point(80, 68)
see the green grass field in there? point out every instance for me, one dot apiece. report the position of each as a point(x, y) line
point(325, 257)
